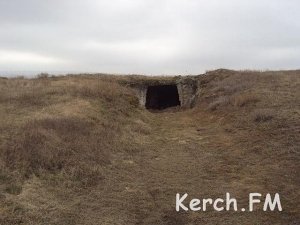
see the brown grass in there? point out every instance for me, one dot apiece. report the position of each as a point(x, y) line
point(53, 144)
point(237, 100)
point(219, 102)
point(79, 150)
point(263, 115)
point(245, 99)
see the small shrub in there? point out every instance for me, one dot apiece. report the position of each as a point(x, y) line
point(13, 189)
point(85, 175)
point(244, 99)
point(4, 173)
point(263, 115)
point(221, 101)
point(42, 75)
point(19, 77)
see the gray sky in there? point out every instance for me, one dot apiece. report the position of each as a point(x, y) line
point(149, 36)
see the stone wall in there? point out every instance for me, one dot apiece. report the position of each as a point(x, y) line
point(142, 91)
point(187, 89)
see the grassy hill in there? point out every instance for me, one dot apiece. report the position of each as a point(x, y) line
point(80, 150)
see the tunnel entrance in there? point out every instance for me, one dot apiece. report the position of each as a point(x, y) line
point(162, 96)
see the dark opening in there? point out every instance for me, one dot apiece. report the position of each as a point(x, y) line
point(162, 96)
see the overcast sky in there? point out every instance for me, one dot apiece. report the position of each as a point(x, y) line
point(149, 36)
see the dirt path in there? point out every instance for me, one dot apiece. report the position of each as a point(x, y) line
point(173, 161)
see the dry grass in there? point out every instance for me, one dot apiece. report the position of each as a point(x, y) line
point(263, 115)
point(54, 144)
point(59, 142)
point(79, 150)
point(237, 100)
point(245, 99)
point(219, 102)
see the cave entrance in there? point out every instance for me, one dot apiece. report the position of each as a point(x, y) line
point(162, 96)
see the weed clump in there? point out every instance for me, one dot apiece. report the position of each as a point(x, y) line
point(58, 144)
point(263, 115)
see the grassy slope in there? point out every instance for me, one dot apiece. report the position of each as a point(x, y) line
point(78, 150)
